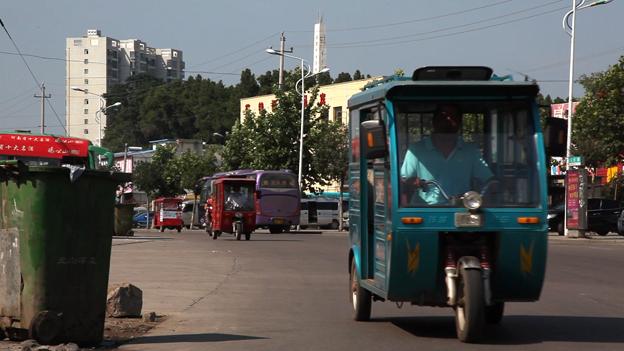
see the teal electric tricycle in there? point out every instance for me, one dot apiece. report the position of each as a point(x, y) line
point(448, 193)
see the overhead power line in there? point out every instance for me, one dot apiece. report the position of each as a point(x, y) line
point(32, 74)
point(386, 42)
point(424, 19)
point(236, 51)
point(510, 14)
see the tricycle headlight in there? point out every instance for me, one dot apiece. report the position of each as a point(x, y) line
point(472, 200)
point(238, 215)
point(551, 216)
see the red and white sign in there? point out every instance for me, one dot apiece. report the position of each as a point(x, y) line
point(42, 146)
point(561, 110)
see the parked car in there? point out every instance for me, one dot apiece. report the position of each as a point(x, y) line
point(187, 214)
point(620, 224)
point(602, 216)
point(555, 219)
point(140, 219)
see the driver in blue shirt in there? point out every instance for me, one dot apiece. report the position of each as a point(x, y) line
point(445, 158)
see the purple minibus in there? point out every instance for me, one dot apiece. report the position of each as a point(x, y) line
point(278, 200)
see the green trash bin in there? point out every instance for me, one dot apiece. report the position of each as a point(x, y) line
point(55, 246)
point(123, 219)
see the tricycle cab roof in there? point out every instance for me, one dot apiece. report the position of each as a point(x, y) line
point(395, 87)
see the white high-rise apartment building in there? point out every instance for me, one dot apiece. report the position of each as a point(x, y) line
point(95, 63)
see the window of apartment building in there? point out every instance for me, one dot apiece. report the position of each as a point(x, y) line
point(86, 131)
point(86, 111)
point(86, 61)
point(86, 51)
point(338, 113)
point(86, 81)
point(175, 54)
point(86, 101)
point(77, 42)
point(86, 121)
point(86, 71)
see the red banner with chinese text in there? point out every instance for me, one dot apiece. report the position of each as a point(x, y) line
point(42, 146)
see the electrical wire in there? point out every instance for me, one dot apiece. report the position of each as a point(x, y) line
point(449, 34)
point(451, 27)
point(32, 74)
point(424, 19)
point(235, 51)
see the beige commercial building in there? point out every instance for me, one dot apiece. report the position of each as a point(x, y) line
point(335, 96)
point(95, 63)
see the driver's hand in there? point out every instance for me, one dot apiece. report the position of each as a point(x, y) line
point(414, 181)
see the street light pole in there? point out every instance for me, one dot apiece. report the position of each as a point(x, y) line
point(304, 75)
point(301, 125)
point(569, 28)
point(101, 109)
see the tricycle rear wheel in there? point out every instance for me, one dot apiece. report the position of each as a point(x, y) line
point(469, 312)
point(361, 299)
point(247, 236)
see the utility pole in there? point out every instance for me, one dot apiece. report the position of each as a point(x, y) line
point(43, 96)
point(280, 82)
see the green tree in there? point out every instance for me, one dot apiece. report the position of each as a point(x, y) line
point(270, 140)
point(343, 77)
point(598, 123)
point(169, 174)
point(150, 176)
point(248, 85)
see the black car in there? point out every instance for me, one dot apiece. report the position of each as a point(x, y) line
point(620, 224)
point(555, 219)
point(602, 216)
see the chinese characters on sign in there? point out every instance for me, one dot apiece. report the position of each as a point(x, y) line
point(572, 199)
point(42, 146)
point(575, 199)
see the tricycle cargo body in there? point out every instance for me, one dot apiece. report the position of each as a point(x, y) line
point(57, 235)
point(168, 213)
point(446, 178)
point(231, 207)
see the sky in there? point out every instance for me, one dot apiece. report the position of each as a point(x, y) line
point(219, 39)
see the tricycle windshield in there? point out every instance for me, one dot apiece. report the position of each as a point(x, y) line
point(239, 197)
point(171, 205)
point(447, 148)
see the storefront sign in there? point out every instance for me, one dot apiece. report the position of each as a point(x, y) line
point(576, 211)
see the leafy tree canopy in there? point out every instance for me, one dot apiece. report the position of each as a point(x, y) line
point(169, 174)
point(598, 123)
point(270, 140)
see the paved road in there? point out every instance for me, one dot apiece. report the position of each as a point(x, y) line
point(289, 292)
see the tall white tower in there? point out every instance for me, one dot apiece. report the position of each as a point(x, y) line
point(320, 50)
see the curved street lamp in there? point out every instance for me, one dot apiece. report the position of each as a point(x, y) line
point(304, 75)
point(101, 109)
point(569, 28)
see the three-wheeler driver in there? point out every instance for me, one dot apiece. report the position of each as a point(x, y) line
point(447, 207)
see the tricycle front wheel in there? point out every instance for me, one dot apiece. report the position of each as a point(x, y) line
point(469, 312)
point(494, 313)
point(361, 299)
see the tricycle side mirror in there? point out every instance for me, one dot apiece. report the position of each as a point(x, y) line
point(373, 135)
